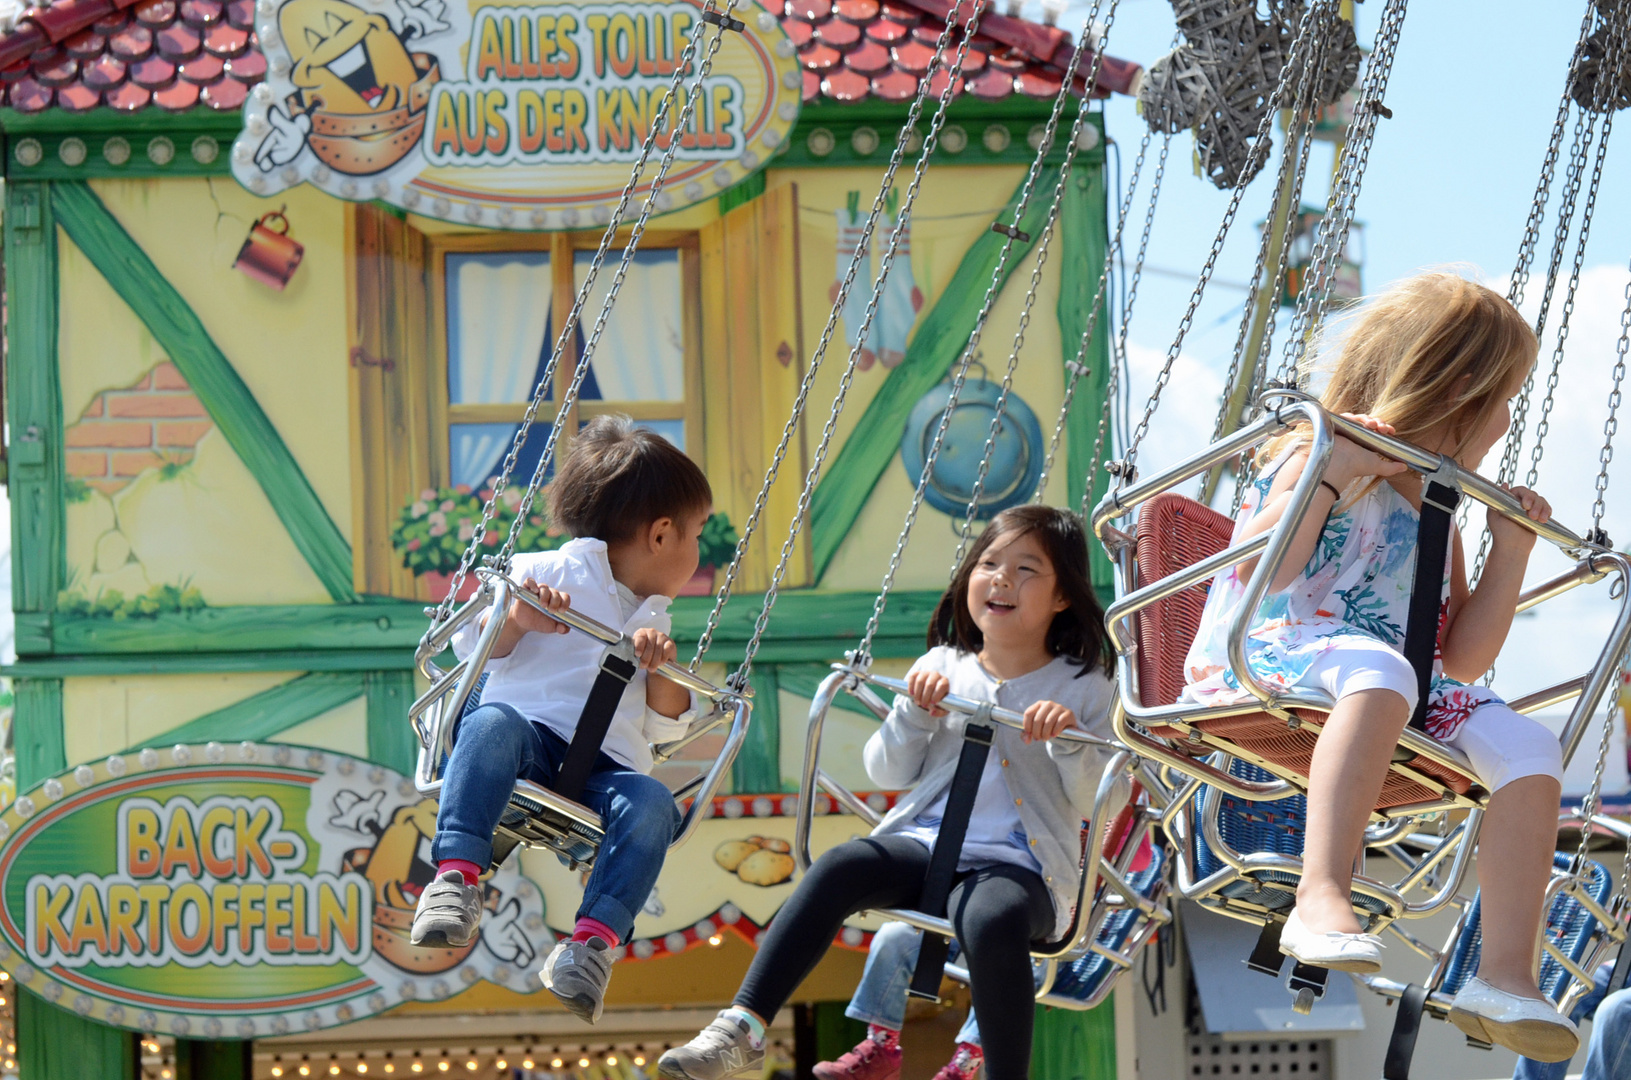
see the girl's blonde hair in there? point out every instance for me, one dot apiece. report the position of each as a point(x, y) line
point(1431, 348)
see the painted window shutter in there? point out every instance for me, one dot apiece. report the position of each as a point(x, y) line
point(390, 375)
point(753, 361)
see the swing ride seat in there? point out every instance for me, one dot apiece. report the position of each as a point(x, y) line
point(1236, 822)
point(1106, 886)
point(535, 816)
point(1085, 982)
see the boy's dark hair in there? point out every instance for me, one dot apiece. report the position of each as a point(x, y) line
point(619, 478)
point(1077, 632)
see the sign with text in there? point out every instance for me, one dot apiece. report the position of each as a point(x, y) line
point(239, 892)
point(526, 117)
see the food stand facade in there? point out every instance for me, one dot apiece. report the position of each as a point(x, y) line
point(259, 371)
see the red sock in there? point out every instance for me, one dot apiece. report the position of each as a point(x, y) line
point(587, 928)
point(471, 872)
point(967, 1060)
point(883, 1038)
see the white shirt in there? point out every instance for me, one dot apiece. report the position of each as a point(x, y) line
point(547, 677)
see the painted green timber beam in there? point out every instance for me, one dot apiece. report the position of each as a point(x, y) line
point(40, 747)
point(390, 736)
point(1082, 222)
point(935, 347)
point(758, 765)
point(34, 411)
point(175, 326)
point(813, 621)
point(269, 712)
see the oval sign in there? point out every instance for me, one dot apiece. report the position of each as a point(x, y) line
point(519, 117)
point(239, 892)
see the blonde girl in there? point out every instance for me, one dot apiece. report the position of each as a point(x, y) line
point(1433, 360)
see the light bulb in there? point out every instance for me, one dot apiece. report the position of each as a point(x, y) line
point(639, 1059)
point(418, 1067)
point(527, 1063)
point(444, 1066)
point(165, 1073)
point(556, 1064)
point(362, 1066)
point(277, 1070)
point(334, 1070)
point(583, 1063)
point(611, 1059)
point(389, 1067)
point(471, 1064)
point(501, 1064)
point(305, 1070)
point(716, 940)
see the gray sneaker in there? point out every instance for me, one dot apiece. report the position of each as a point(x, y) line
point(448, 914)
point(576, 973)
point(722, 1050)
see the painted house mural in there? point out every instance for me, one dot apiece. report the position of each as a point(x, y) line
point(280, 280)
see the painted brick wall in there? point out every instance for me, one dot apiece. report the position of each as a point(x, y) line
point(122, 433)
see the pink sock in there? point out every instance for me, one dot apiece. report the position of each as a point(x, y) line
point(883, 1038)
point(587, 928)
point(471, 872)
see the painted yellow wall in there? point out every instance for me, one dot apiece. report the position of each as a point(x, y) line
point(343, 729)
point(106, 714)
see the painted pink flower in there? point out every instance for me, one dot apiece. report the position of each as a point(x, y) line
point(419, 509)
point(439, 529)
point(447, 506)
point(428, 495)
point(489, 539)
point(415, 544)
point(461, 489)
point(484, 494)
point(466, 531)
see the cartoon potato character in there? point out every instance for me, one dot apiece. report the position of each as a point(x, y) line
point(360, 96)
point(398, 873)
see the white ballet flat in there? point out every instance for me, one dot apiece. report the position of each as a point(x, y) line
point(1358, 953)
point(1531, 1027)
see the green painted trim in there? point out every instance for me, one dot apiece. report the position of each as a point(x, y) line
point(33, 405)
point(56, 1044)
point(37, 732)
point(269, 712)
point(936, 345)
point(992, 133)
point(125, 155)
point(390, 737)
point(750, 188)
point(157, 121)
point(164, 312)
point(1083, 219)
point(757, 768)
point(1071, 1045)
point(192, 663)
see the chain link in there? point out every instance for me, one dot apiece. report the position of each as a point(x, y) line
point(999, 409)
point(886, 260)
point(1296, 58)
point(1611, 426)
point(546, 379)
point(1073, 370)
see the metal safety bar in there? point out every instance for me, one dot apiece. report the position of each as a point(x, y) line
point(435, 714)
point(1284, 410)
point(1085, 918)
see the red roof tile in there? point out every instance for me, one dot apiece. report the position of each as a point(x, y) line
point(182, 54)
point(79, 54)
point(895, 45)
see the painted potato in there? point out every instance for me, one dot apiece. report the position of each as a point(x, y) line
point(730, 854)
point(766, 867)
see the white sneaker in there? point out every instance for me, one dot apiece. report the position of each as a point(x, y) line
point(722, 1050)
point(1530, 1026)
point(1358, 953)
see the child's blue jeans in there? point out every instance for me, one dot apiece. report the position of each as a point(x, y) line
point(492, 746)
point(880, 997)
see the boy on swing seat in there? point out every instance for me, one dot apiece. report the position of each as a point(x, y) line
point(636, 505)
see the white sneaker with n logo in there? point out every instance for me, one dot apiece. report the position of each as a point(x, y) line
point(723, 1049)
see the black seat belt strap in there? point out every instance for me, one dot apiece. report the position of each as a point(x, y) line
point(1438, 503)
point(948, 848)
point(617, 668)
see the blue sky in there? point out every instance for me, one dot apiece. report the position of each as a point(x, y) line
point(1474, 91)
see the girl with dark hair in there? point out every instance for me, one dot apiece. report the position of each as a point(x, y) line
point(1019, 627)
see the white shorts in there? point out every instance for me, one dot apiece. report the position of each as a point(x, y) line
point(1501, 744)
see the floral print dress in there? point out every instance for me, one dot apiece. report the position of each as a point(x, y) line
point(1356, 585)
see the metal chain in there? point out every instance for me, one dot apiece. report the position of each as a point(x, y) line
point(863, 650)
point(1611, 426)
point(570, 397)
point(1000, 407)
point(1544, 425)
point(1305, 113)
point(1315, 296)
point(1118, 358)
point(740, 677)
point(1296, 57)
point(1073, 370)
point(903, 138)
point(477, 538)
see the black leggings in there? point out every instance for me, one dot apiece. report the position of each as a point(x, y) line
point(997, 911)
